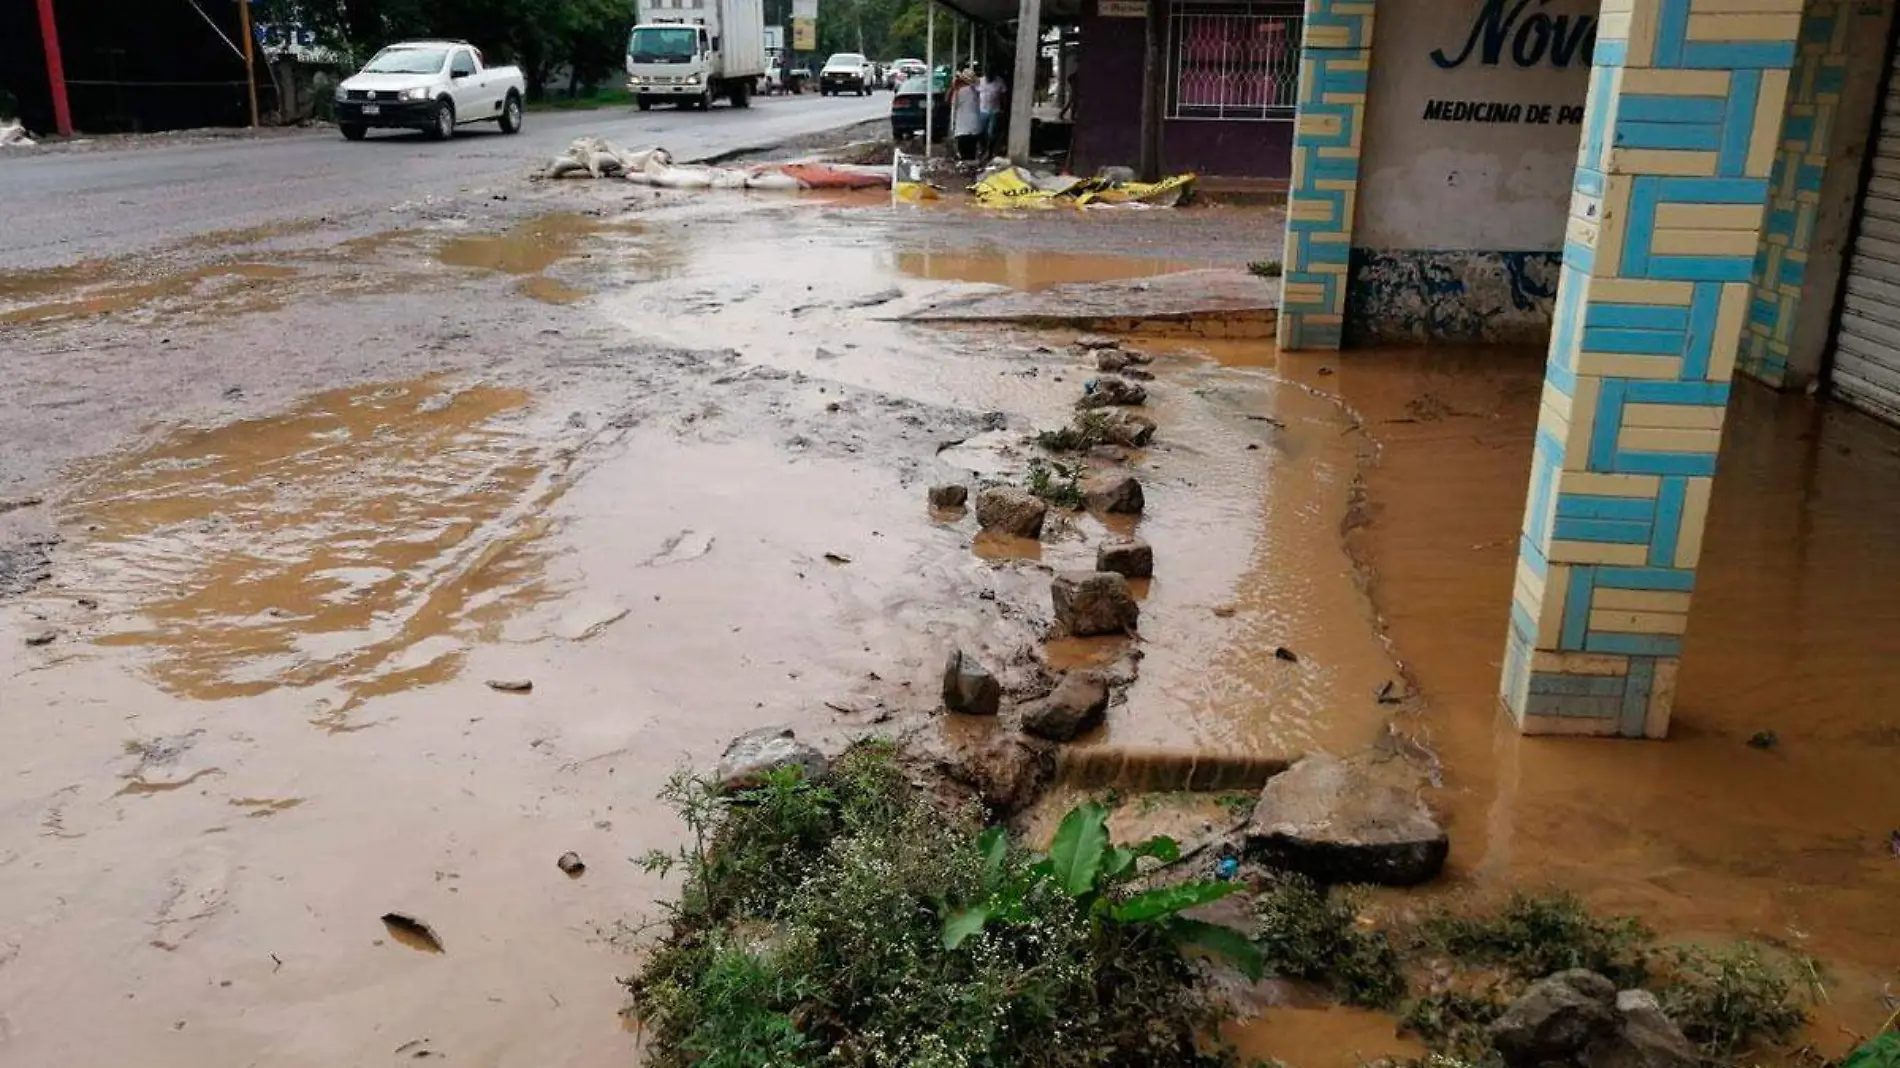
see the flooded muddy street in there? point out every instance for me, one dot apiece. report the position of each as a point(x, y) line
point(369, 573)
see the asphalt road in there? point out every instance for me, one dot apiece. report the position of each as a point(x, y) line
point(68, 204)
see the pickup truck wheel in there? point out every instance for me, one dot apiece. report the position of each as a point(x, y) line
point(511, 115)
point(444, 127)
point(354, 131)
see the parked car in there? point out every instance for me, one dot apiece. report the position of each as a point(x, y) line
point(907, 108)
point(904, 70)
point(433, 86)
point(846, 72)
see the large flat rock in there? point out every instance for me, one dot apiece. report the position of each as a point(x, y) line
point(1340, 821)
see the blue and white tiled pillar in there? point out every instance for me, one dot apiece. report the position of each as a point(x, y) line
point(1335, 56)
point(1666, 214)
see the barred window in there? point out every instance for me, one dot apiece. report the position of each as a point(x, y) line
point(1234, 60)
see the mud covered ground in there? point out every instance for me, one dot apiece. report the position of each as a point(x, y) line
point(288, 497)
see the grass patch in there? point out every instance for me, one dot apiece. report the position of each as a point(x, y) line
point(1266, 269)
point(1730, 1000)
point(1086, 431)
point(1306, 932)
point(600, 98)
point(1454, 1025)
point(1536, 935)
point(1058, 483)
point(852, 922)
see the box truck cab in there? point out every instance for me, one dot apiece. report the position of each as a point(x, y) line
point(692, 52)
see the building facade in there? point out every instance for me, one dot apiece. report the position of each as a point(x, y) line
point(1669, 194)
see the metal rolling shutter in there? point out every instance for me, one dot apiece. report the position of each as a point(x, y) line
point(1867, 339)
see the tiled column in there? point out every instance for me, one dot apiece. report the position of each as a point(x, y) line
point(1679, 135)
point(1794, 188)
point(1335, 53)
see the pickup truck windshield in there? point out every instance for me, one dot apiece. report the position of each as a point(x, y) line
point(406, 61)
point(845, 59)
point(663, 44)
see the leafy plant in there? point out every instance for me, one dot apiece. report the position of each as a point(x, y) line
point(1305, 932)
point(811, 931)
point(1538, 935)
point(1454, 1023)
point(1266, 268)
point(1084, 432)
point(1727, 1001)
point(1058, 483)
point(1084, 865)
point(1881, 1051)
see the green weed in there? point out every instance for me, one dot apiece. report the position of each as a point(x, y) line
point(1084, 432)
point(1305, 932)
point(1455, 1025)
point(1538, 935)
point(1266, 269)
point(1058, 483)
point(1726, 1001)
point(851, 922)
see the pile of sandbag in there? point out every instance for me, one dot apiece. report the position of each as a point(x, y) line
point(596, 157)
point(1006, 186)
point(13, 135)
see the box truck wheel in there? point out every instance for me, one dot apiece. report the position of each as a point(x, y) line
point(643, 102)
point(741, 96)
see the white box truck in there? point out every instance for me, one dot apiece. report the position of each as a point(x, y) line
point(692, 52)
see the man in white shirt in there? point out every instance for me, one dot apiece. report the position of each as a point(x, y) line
point(991, 93)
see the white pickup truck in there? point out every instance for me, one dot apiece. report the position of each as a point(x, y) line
point(433, 86)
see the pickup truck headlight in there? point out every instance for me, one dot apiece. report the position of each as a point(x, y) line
point(414, 94)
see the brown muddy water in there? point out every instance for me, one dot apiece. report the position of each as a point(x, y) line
point(686, 500)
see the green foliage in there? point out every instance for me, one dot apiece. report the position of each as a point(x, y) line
point(1266, 268)
point(817, 927)
point(1537, 935)
point(1305, 932)
point(1454, 1024)
point(1881, 1051)
point(1082, 864)
point(1058, 483)
point(1084, 432)
point(1726, 1001)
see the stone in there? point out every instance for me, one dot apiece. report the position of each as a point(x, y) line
point(969, 687)
point(1111, 360)
point(1088, 603)
point(1006, 771)
point(1109, 390)
point(45, 636)
point(1647, 1039)
point(1114, 492)
point(1114, 454)
point(1578, 1019)
point(755, 754)
point(1128, 429)
point(1008, 510)
point(951, 495)
point(1347, 822)
point(571, 864)
point(1127, 557)
point(1556, 1020)
point(511, 685)
point(1076, 706)
point(1094, 342)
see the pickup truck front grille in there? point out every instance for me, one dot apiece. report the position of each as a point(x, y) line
point(371, 94)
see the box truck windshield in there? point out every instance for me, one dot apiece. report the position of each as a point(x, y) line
point(663, 44)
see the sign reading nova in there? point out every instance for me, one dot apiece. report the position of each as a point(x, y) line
point(1532, 35)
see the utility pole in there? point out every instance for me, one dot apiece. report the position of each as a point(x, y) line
point(55, 70)
point(1022, 93)
point(1153, 75)
point(250, 62)
point(930, 76)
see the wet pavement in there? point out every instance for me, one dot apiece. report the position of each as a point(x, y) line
point(665, 457)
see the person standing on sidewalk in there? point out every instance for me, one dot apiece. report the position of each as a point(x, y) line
point(992, 93)
point(966, 116)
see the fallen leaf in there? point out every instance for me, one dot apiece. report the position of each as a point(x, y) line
point(412, 932)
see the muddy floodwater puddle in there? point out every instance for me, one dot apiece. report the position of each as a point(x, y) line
point(1034, 270)
point(228, 287)
point(354, 545)
point(530, 248)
